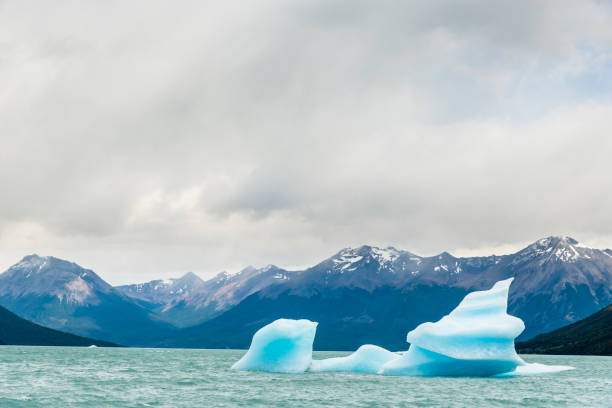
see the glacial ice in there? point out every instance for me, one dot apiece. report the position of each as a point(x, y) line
point(367, 359)
point(475, 339)
point(283, 346)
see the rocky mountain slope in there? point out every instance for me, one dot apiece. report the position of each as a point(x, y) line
point(592, 335)
point(189, 300)
point(64, 296)
point(17, 331)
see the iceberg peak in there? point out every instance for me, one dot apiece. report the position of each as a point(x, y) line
point(468, 331)
point(476, 338)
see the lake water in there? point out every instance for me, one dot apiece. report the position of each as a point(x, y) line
point(104, 377)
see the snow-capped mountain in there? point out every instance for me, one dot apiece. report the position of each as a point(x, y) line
point(552, 249)
point(164, 291)
point(189, 300)
point(369, 267)
point(374, 295)
point(49, 276)
point(359, 295)
point(225, 290)
point(558, 281)
point(64, 296)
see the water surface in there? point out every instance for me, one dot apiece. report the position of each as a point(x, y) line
point(60, 377)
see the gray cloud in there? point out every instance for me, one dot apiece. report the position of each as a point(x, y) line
point(145, 139)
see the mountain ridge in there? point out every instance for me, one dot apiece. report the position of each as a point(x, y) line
point(355, 292)
point(591, 336)
point(188, 303)
point(557, 281)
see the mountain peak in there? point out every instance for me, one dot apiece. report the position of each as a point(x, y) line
point(350, 259)
point(553, 241)
point(219, 278)
point(34, 257)
point(368, 250)
point(30, 261)
point(247, 269)
point(568, 240)
point(555, 248)
point(444, 255)
point(189, 277)
point(244, 273)
point(45, 275)
point(556, 240)
point(385, 255)
point(36, 263)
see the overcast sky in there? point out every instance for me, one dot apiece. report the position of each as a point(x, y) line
point(145, 139)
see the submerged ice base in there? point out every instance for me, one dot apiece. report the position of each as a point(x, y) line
point(534, 369)
point(475, 339)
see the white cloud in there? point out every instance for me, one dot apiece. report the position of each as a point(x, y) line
point(144, 139)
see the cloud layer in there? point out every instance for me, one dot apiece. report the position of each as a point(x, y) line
point(145, 139)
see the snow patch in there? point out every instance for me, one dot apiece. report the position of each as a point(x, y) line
point(386, 255)
point(345, 260)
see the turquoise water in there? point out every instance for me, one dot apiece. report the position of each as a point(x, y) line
point(79, 377)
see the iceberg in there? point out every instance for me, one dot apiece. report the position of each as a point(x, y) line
point(283, 346)
point(475, 339)
point(367, 359)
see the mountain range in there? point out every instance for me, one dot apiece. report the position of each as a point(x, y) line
point(358, 295)
point(374, 295)
point(189, 300)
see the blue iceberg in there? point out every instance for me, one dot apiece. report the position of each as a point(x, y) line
point(475, 339)
point(283, 346)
